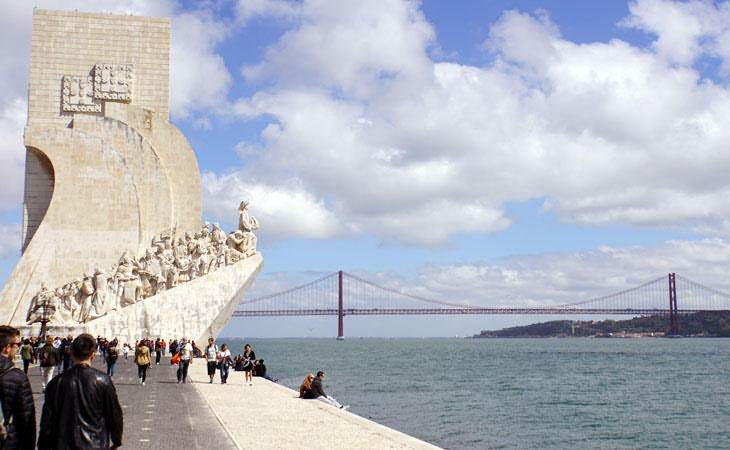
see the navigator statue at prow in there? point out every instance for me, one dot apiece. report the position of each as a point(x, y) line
point(113, 241)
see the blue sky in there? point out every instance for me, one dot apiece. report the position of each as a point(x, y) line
point(443, 148)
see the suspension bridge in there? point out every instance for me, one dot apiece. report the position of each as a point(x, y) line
point(343, 294)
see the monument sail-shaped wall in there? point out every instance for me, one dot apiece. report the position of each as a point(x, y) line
point(106, 171)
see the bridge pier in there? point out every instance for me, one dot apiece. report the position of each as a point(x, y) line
point(673, 314)
point(340, 310)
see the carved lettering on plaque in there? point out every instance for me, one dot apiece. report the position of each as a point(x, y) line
point(78, 95)
point(113, 82)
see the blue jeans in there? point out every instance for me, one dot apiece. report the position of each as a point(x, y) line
point(182, 370)
point(224, 372)
point(110, 368)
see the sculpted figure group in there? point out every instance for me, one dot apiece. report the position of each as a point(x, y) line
point(170, 261)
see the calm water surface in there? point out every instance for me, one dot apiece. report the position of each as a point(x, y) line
point(524, 393)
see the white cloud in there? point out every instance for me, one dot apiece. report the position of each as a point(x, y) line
point(395, 144)
point(283, 212)
point(199, 80)
point(247, 10)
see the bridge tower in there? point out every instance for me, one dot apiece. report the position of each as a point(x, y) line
point(340, 309)
point(673, 314)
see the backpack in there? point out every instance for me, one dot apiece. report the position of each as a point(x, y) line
point(26, 352)
point(48, 356)
point(112, 354)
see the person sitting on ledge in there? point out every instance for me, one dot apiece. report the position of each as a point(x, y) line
point(318, 392)
point(259, 370)
point(305, 389)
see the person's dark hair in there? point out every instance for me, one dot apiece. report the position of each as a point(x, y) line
point(7, 333)
point(319, 374)
point(26, 341)
point(83, 346)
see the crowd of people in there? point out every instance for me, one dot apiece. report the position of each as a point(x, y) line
point(81, 408)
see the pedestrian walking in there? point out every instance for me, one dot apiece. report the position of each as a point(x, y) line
point(125, 350)
point(66, 354)
point(27, 355)
point(186, 358)
point(112, 354)
point(142, 359)
point(248, 359)
point(16, 396)
point(225, 362)
point(81, 408)
point(49, 358)
point(158, 351)
point(164, 348)
point(211, 357)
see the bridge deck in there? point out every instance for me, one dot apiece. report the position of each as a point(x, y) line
point(450, 311)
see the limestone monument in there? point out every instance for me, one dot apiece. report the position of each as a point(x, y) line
point(113, 242)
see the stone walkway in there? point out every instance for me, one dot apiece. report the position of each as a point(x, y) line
point(161, 415)
point(164, 415)
point(270, 416)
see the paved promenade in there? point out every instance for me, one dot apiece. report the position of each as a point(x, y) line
point(161, 415)
point(270, 416)
point(164, 415)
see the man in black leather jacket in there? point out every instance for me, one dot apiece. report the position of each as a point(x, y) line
point(81, 409)
point(18, 410)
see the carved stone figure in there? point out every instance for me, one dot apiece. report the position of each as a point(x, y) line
point(218, 236)
point(129, 282)
point(101, 292)
point(38, 305)
point(245, 222)
point(87, 293)
point(165, 264)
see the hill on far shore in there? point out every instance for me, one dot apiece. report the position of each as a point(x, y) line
point(705, 323)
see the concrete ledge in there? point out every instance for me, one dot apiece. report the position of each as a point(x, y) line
point(270, 416)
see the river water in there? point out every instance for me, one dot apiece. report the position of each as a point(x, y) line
point(524, 393)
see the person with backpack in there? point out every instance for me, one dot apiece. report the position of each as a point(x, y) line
point(143, 361)
point(49, 358)
point(211, 356)
point(27, 354)
point(112, 354)
point(18, 428)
